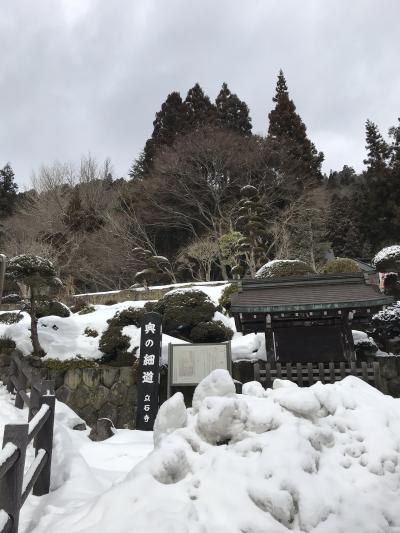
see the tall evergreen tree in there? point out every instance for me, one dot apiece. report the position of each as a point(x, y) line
point(232, 113)
point(377, 149)
point(8, 191)
point(170, 121)
point(378, 201)
point(199, 108)
point(296, 156)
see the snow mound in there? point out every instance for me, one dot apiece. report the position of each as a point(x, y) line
point(318, 460)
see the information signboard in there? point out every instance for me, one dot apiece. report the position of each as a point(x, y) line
point(188, 364)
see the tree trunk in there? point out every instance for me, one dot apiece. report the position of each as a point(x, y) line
point(222, 267)
point(37, 349)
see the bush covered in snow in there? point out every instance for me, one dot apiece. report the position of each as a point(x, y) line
point(284, 267)
point(52, 308)
point(10, 318)
point(182, 310)
point(226, 296)
point(211, 332)
point(341, 265)
point(11, 299)
point(113, 343)
point(386, 324)
point(388, 259)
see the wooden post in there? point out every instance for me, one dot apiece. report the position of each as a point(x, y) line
point(44, 441)
point(269, 339)
point(22, 382)
point(11, 484)
point(11, 372)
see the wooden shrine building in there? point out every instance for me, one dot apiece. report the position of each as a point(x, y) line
point(307, 319)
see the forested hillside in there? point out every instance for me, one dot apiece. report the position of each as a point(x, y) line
point(206, 199)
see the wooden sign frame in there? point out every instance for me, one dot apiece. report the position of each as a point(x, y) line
point(171, 346)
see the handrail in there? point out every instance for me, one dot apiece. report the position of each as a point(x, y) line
point(15, 486)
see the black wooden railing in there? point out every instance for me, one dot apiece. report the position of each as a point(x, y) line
point(15, 486)
point(306, 374)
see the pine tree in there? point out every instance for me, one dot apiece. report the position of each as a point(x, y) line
point(170, 121)
point(8, 191)
point(377, 201)
point(342, 228)
point(377, 149)
point(199, 109)
point(295, 155)
point(232, 113)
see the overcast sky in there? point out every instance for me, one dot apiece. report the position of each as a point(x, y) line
point(89, 75)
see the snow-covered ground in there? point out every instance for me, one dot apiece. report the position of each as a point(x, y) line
point(321, 460)
point(64, 338)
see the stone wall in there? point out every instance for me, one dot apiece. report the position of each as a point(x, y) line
point(93, 393)
point(390, 375)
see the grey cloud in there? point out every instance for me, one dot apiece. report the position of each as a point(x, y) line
point(89, 75)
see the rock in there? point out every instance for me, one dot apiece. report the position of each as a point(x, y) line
point(108, 410)
point(102, 430)
point(131, 396)
point(126, 416)
point(80, 427)
point(109, 376)
point(99, 396)
point(89, 415)
point(388, 367)
point(64, 394)
point(118, 393)
point(126, 375)
point(57, 376)
point(394, 387)
point(91, 377)
point(80, 397)
point(73, 378)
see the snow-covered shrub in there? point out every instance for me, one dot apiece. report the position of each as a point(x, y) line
point(52, 308)
point(284, 267)
point(364, 345)
point(341, 265)
point(386, 324)
point(11, 299)
point(10, 318)
point(391, 284)
point(388, 259)
point(211, 332)
point(226, 296)
point(113, 343)
point(182, 310)
point(89, 332)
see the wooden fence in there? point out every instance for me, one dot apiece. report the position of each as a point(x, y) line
point(306, 374)
point(15, 486)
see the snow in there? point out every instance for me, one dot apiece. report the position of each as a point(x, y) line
point(3, 519)
point(387, 254)
point(7, 452)
point(324, 459)
point(360, 338)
